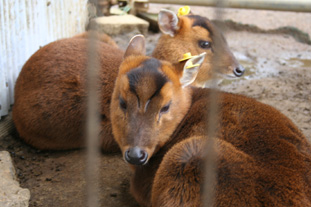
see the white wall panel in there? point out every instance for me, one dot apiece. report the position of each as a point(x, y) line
point(25, 25)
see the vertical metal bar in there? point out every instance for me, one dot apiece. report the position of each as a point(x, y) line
point(210, 179)
point(93, 127)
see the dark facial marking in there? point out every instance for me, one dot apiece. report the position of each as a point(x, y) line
point(201, 22)
point(122, 103)
point(149, 69)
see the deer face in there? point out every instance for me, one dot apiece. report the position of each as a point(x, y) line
point(149, 101)
point(196, 34)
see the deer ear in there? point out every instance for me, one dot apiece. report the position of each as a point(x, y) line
point(191, 69)
point(168, 22)
point(136, 46)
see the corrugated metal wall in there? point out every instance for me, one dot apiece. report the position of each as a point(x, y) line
point(25, 25)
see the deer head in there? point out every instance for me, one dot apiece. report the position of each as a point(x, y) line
point(150, 99)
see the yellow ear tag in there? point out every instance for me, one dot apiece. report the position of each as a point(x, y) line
point(183, 10)
point(186, 56)
point(190, 65)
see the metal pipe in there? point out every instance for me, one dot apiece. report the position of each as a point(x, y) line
point(281, 5)
point(210, 172)
point(93, 123)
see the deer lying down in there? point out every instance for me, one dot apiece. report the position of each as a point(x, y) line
point(159, 124)
point(49, 110)
point(50, 94)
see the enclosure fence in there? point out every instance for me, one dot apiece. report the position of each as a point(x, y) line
point(37, 22)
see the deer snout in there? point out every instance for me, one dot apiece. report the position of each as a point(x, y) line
point(136, 156)
point(239, 71)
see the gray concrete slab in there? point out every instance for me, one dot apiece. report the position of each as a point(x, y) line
point(11, 194)
point(116, 25)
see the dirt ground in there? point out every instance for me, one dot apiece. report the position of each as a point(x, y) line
point(278, 73)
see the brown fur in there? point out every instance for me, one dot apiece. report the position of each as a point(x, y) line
point(49, 109)
point(263, 159)
point(99, 36)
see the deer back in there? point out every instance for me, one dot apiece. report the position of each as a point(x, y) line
point(262, 157)
point(50, 93)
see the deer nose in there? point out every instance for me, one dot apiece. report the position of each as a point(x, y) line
point(239, 71)
point(136, 156)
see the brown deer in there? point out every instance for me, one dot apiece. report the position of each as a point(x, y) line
point(50, 95)
point(160, 124)
point(195, 34)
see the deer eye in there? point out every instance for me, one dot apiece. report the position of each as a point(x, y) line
point(122, 103)
point(205, 44)
point(165, 108)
